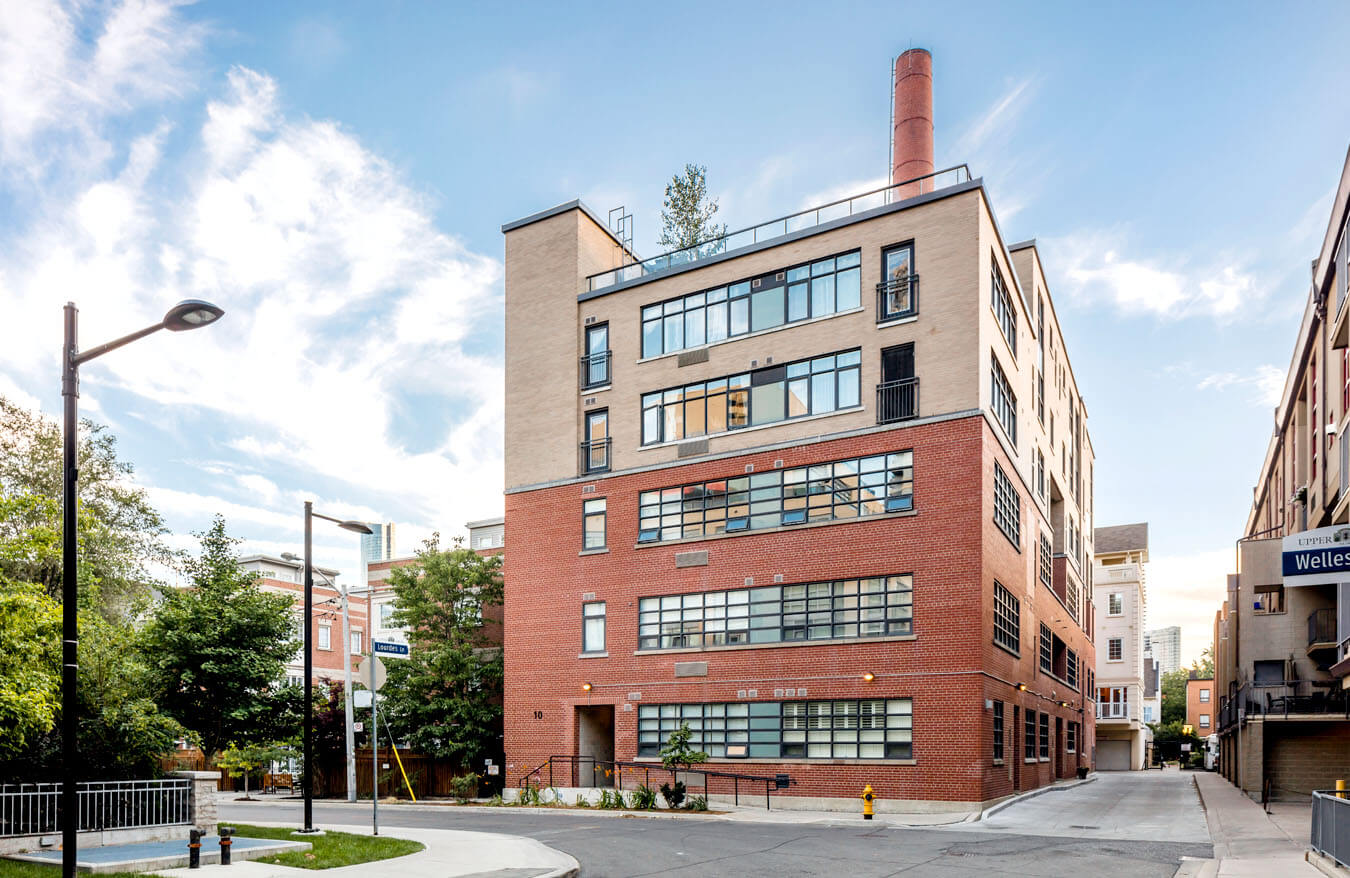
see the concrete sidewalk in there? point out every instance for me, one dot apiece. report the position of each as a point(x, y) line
point(449, 854)
point(1247, 842)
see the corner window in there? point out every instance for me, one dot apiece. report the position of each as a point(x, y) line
point(593, 524)
point(1002, 304)
point(325, 637)
point(1115, 605)
point(593, 627)
point(1003, 400)
point(1114, 649)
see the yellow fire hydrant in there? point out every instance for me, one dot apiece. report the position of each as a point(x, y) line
point(867, 802)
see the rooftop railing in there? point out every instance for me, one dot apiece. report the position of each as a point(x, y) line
point(787, 225)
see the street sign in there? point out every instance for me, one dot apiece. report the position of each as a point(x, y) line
point(361, 697)
point(363, 671)
point(358, 727)
point(389, 648)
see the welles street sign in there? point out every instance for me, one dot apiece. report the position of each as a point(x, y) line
point(1317, 557)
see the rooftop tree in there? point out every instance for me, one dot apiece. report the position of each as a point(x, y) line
point(687, 213)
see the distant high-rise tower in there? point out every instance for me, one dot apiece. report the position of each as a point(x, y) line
point(1165, 644)
point(378, 546)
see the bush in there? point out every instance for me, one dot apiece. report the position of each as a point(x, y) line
point(610, 800)
point(464, 787)
point(674, 795)
point(643, 799)
point(582, 801)
point(698, 803)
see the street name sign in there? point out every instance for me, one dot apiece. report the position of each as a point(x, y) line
point(1317, 557)
point(389, 649)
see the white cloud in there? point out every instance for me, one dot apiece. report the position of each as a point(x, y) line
point(1265, 385)
point(1187, 590)
point(998, 118)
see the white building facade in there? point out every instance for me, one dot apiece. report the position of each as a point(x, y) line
point(1120, 599)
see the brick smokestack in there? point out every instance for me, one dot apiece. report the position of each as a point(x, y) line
point(912, 150)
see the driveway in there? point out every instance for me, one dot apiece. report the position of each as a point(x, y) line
point(1120, 805)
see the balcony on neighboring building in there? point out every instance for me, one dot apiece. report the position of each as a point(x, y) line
point(1113, 710)
point(897, 400)
point(897, 298)
point(1287, 699)
point(595, 370)
point(1322, 630)
point(783, 227)
point(595, 456)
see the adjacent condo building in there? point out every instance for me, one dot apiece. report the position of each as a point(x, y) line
point(820, 489)
point(1123, 668)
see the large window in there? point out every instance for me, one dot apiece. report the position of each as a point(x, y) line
point(765, 396)
point(998, 731)
point(1047, 650)
point(848, 729)
point(593, 626)
point(1029, 733)
point(1007, 506)
point(1004, 400)
point(1046, 566)
point(1002, 304)
point(1007, 619)
point(834, 491)
point(1045, 735)
point(847, 608)
point(593, 524)
point(816, 289)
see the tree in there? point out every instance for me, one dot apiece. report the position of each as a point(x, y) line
point(686, 216)
point(30, 679)
point(1204, 668)
point(445, 699)
point(678, 752)
point(1173, 690)
point(217, 651)
point(120, 533)
point(246, 760)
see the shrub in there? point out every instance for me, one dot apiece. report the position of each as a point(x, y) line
point(496, 801)
point(678, 753)
point(529, 795)
point(643, 799)
point(698, 803)
point(464, 787)
point(582, 802)
point(610, 800)
point(673, 795)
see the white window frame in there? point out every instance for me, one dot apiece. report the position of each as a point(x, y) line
point(1119, 643)
point(325, 637)
point(592, 611)
point(1115, 603)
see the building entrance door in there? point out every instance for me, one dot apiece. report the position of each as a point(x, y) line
point(595, 746)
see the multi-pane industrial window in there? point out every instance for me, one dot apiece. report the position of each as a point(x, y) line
point(1045, 735)
point(847, 608)
point(1047, 650)
point(1003, 306)
point(765, 396)
point(998, 731)
point(593, 627)
point(1115, 604)
point(1072, 589)
point(832, 491)
point(593, 524)
point(1007, 619)
point(1004, 400)
point(1040, 474)
point(1029, 735)
point(1007, 506)
point(1114, 649)
point(802, 292)
point(868, 729)
point(1071, 737)
point(1071, 670)
point(1046, 565)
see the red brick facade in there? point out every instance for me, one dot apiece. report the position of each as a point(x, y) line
point(950, 666)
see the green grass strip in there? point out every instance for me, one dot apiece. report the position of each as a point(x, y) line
point(330, 850)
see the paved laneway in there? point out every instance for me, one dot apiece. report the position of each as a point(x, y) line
point(1121, 805)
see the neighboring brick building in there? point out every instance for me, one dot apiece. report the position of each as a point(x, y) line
point(1200, 706)
point(741, 516)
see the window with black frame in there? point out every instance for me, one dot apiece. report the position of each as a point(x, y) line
point(1007, 506)
point(998, 731)
point(1007, 619)
point(898, 292)
point(1045, 735)
point(596, 362)
point(1029, 735)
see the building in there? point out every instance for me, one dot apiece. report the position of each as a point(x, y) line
point(1152, 702)
point(769, 486)
point(325, 629)
point(1164, 644)
point(378, 545)
point(1121, 600)
point(1282, 637)
point(1200, 705)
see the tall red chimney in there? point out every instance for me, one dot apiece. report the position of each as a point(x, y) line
point(912, 144)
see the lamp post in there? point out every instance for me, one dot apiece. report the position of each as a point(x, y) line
point(354, 527)
point(347, 671)
point(188, 314)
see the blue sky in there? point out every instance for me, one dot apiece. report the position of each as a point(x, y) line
point(335, 175)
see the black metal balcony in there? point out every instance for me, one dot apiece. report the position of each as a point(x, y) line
point(595, 456)
point(1322, 629)
point(897, 400)
point(898, 298)
point(595, 370)
point(1284, 699)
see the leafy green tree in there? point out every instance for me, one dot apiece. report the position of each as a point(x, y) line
point(687, 214)
point(245, 761)
point(217, 651)
point(30, 678)
point(120, 533)
point(1204, 668)
point(678, 752)
point(445, 699)
point(1173, 690)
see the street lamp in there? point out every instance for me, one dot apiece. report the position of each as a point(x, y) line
point(355, 527)
point(347, 670)
point(187, 314)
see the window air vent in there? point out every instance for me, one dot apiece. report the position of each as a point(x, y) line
point(740, 693)
point(768, 361)
point(754, 363)
point(689, 358)
point(756, 283)
point(634, 696)
point(590, 400)
point(588, 595)
point(782, 275)
point(778, 577)
point(778, 464)
point(588, 489)
point(778, 693)
point(752, 693)
point(801, 693)
point(590, 320)
point(749, 581)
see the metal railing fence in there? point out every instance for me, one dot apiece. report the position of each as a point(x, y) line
point(35, 809)
point(787, 225)
point(898, 298)
point(1331, 825)
point(595, 456)
point(897, 400)
point(586, 771)
point(595, 370)
point(1281, 699)
point(1113, 710)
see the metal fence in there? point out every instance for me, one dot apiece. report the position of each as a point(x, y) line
point(586, 771)
point(1331, 825)
point(35, 809)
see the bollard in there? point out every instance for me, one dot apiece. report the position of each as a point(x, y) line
point(194, 848)
point(867, 802)
point(1340, 790)
point(225, 842)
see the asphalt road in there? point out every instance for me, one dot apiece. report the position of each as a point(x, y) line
point(626, 847)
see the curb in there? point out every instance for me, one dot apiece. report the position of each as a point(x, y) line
point(991, 811)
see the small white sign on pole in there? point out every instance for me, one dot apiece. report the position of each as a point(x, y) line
point(389, 649)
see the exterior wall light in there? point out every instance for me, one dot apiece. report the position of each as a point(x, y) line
point(585, 687)
point(1021, 687)
point(869, 677)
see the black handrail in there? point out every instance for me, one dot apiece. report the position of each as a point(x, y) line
point(595, 370)
point(1281, 699)
point(905, 290)
point(617, 768)
point(898, 400)
point(595, 456)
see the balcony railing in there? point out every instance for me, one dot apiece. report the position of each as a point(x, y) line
point(595, 456)
point(1322, 628)
point(897, 400)
point(897, 298)
point(783, 226)
point(1331, 825)
point(595, 370)
point(1113, 710)
point(1283, 699)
